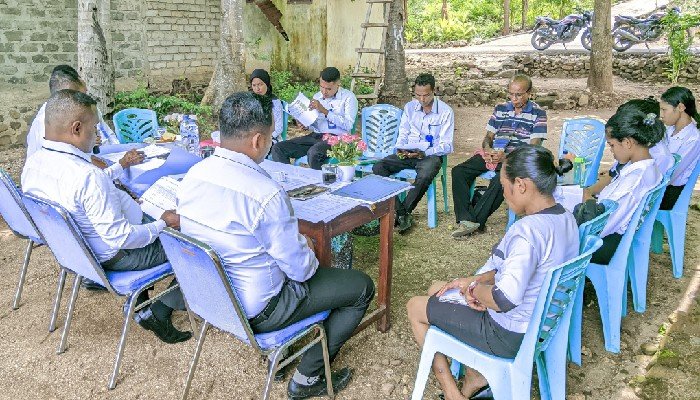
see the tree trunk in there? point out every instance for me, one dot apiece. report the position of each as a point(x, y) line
point(506, 17)
point(444, 9)
point(600, 78)
point(94, 51)
point(395, 89)
point(229, 74)
point(524, 17)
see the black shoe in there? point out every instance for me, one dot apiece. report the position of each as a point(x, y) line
point(405, 223)
point(91, 285)
point(484, 393)
point(281, 373)
point(163, 329)
point(340, 379)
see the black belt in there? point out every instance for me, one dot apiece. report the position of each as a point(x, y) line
point(112, 261)
point(267, 311)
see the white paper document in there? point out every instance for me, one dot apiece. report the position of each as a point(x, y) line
point(299, 109)
point(568, 196)
point(324, 207)
point(160, 197)
point(422, 146)
point(148, 151)
point(453, 296)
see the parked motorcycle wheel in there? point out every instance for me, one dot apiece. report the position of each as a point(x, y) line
point(540, 38)
point(586, 39)
point(620, 43)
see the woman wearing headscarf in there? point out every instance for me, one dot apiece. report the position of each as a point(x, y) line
point(261, 84)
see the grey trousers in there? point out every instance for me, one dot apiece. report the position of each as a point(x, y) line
point(145, 258)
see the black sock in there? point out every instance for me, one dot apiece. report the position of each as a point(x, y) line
point(161, 311)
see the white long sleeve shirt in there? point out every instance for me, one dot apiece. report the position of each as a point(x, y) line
point(439, 122)
point(685, 143)
point(37, 133)
point(62, 173)
point(229, 202)
point(342, 112)
point(628, 188)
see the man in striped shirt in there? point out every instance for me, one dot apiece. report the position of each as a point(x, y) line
point(513, 124)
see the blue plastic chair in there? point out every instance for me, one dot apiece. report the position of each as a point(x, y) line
point(134, 124)
point(410, 174)
point(639, 265)
point(15, 214)
point(209, 293)
point(584, 137)
point(588, 228)
point(380, 130)
point(674, 222)
point(61, 234)
point(610, 280)
point(544, 342)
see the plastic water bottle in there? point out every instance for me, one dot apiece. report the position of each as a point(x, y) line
point(579, 170)
point(190, 134)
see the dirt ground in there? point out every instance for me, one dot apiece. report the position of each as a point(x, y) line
point(385, 364)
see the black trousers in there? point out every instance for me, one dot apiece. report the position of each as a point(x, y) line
point(310, 145)
point(671, 195)
point(145, 258)
point(463, 175)
point(607, 250)
point(426, 170)
point(346, 292)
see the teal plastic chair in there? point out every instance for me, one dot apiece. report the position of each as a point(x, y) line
point(584, 137)
point(544, 342)
point(410, 174)
point(132, 125)
point(380, 131)
point(639, 266)
point(610, 280)
point(674, 222)
point(588, 228)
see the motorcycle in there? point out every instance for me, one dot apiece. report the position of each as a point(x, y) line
point(628, 30)
point(549, 31)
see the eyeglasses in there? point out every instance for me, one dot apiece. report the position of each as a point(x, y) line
point(518, 95)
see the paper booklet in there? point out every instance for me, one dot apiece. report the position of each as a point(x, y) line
point(453, 296)
point(160, 197)
point(373, 189)
point(299, 109)
point(422, 146)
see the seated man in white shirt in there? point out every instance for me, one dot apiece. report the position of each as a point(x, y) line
point(61, 171)
point(424, 119)
point(337, 109)
point(229, 202)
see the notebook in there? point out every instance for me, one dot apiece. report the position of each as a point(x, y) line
point(373, 188)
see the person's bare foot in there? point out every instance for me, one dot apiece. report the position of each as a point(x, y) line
point(472, 383)
point(452, 396)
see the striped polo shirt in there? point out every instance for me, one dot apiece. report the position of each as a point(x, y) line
point(531, 123)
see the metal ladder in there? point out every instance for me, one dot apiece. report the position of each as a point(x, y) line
point(378, 73)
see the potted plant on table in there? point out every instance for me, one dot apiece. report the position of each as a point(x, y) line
point(346, 149)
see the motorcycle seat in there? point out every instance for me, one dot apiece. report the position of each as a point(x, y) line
point(549, 21)
point(635, 20)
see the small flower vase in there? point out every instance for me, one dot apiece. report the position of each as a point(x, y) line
point(346, 172)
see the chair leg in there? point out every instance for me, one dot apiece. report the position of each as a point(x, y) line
point(445, 200)
point(426, 362)
point(575, 327)
point(657, 238)
point(639, 274)
point(676, 244)
point(275, 360)
point(195, 359)
point(326, 361)
point(57, 301)
point(69, 315)
point(23, 273)
point(432, 206)
point(193, 321)
point(122, 341)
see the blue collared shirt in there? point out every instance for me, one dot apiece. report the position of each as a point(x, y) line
point(519, 129)
point(439, 122)
point(229, 202)
point(342, 112)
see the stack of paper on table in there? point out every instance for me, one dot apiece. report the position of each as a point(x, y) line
point(160, 197)
point(299, 109)
point(148, 151)
point(373, 189)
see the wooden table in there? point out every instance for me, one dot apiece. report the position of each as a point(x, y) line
point(322, 232)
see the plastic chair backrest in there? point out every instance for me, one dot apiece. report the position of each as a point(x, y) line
point(676, 160)
point(683, 200)
point(285, 120)
point(380, 129)
point(62, 236)
point(596, 225)
point(13, 211)
point(205, 285)
point(134, 124)
point(652, 204)
point(562, 291)
point(584, 137)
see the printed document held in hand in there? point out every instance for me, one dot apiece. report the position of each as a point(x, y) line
point(299, 109)
point(415, 146)
point(160, 197)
